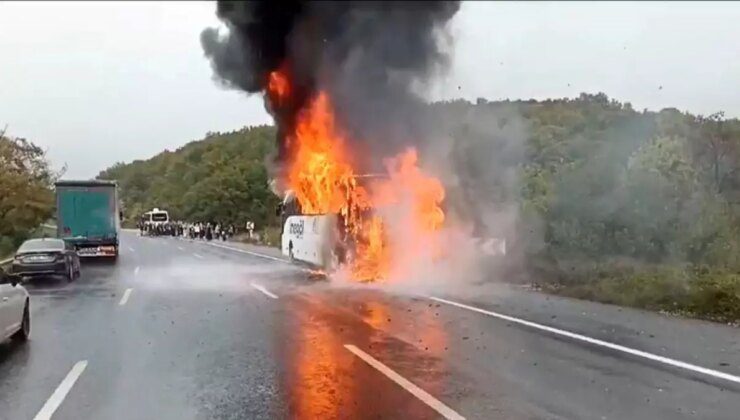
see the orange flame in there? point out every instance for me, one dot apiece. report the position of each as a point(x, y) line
point(408, 183)
point(323, 178)
point(278, 86)
point(320, 173)
point(372, 256)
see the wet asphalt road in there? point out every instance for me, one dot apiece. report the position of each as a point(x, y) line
point(195, 338)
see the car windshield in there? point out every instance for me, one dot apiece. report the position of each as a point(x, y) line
point(41, 244)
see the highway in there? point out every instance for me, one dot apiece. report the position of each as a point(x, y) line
point(190, 330)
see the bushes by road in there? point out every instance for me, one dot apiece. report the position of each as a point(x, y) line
point(593, 181)
point(26, 196)
point(701, 292)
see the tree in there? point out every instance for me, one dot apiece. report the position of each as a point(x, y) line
point(221, 178)
point(26, 198)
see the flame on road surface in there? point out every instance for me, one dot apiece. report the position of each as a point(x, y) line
point(389, 223)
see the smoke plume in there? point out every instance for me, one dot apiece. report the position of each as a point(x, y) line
point(369, 57)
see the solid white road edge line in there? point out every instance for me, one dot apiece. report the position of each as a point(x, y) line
point(60, 393)
point(125, 297)
point(197, 255)
point(263, 290)
point(639, 353)
point(419, 393)
point(256, 254)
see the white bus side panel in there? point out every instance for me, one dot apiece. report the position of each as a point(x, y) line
point(309, 238)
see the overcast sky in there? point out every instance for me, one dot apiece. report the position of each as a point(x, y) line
point(96, 83)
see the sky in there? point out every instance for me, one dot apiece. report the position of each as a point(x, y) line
point(97, 83)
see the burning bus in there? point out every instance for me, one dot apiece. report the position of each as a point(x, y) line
point(342, 94)
point(321, 240)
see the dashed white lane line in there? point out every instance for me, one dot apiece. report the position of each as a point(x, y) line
point(181, 248)
point(61, 392)
point(419, 393)
point(136, 270)
point(639, 353)
point(131, 249)
point(197, 255)
point(263, 290)
point(125, 297)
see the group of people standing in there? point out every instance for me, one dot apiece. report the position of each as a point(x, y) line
point(161, 229)
point(199, 230)
point(209, 231)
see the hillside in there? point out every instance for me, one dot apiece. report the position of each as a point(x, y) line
point(596, 199)
point(220, 178)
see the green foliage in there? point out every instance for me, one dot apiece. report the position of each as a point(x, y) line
point(26, 198)
point(221, 178)
point(600, 182)
point(270, 236)
point(701, 292)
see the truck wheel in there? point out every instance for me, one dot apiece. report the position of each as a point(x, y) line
point(25, 331)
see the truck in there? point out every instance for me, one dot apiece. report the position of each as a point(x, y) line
point(88, 216)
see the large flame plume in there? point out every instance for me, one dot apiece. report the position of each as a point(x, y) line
point(321, 174)
point(340, 80)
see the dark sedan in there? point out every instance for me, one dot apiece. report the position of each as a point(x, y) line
point(46, 257)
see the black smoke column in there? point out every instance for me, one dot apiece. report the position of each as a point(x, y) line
point(365, 55)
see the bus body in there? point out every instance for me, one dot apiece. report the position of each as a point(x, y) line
point(316, 239)
point(154, 218)
point(310, 239)
point(307, 238)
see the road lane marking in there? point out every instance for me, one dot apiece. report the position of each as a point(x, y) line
point(419, 393)
point(125, 297)
point(181, 248)
point(256, 254)
point(131, 249)
point(60, 393)
point(136, 270)
point(263, 290)
point(197, 255)
point(639, 353)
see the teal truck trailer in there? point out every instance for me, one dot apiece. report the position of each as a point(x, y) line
point(88, 216)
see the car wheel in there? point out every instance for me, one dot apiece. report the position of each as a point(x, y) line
point(25, 331)
point(70, 272)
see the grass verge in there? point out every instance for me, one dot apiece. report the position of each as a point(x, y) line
point(697, 292)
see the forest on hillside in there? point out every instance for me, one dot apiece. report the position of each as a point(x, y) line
point(222, 177)
point(597, 199)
